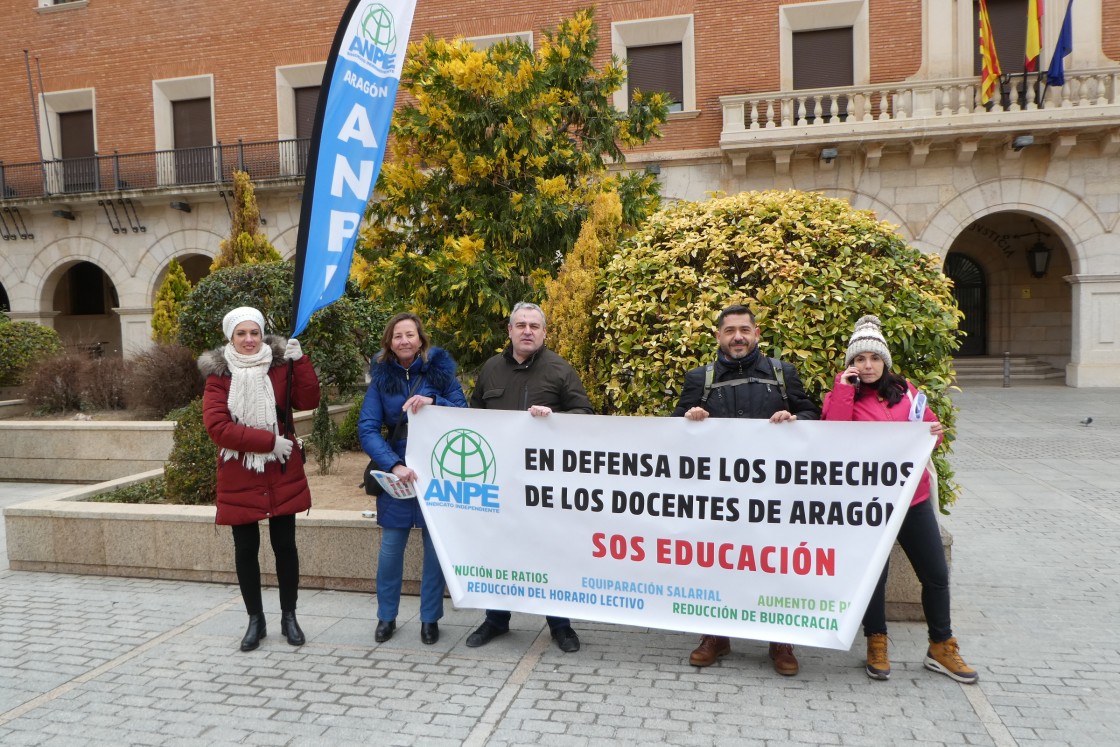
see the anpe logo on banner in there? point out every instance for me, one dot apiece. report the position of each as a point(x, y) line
point(463, 473)
point(377, 45)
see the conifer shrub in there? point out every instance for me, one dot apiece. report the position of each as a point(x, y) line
point(191, 472)
point(169, 302)
point(572, 293)
point(808, 265)
point(348, 430)
point(323, 439)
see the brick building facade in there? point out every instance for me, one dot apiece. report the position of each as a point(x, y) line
point(142, 110)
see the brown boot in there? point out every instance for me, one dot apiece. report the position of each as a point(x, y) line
point(711, 648)
point(878, 661)
point(785, 663)
point(945, 657)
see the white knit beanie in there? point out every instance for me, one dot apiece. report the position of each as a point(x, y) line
point(238, 315)
point(867, 337)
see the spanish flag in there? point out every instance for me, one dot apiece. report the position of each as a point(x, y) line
point(1034, 36)
point(989, 65)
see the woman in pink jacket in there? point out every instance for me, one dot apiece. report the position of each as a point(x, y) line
point(867, 390)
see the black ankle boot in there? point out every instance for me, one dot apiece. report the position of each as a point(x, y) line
point(289, 628)
point(254, 633)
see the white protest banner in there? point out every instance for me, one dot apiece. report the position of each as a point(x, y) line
point(735, 527)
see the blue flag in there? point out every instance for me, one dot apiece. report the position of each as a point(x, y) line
point(347, 147)
point(1056, 74)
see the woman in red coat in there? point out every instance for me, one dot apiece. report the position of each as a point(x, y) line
point(260, 474)
point(867, 389)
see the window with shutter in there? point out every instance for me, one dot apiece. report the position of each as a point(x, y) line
point(307, 100)
point(824, 58)
point(1009, 27)
point(194, 140)
point(79, 167)
point(657, 68)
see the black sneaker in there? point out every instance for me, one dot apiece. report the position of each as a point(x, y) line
point(566, 639)
point(484, 634)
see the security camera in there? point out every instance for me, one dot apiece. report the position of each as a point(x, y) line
point(828, 155)
point(1022, 141)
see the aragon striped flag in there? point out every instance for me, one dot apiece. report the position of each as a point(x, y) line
point(989, 60)
point(347, 147)
point(1034, 36)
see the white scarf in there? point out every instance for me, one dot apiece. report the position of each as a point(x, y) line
point(252, 401)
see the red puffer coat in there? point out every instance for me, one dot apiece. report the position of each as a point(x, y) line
point(244, 495)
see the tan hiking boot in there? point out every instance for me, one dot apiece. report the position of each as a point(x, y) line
point(878, 663)
point(945, 657)
point(711, 648)
point(785, 663)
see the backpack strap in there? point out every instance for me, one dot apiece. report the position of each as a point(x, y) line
point(709, 377)
point(780, 377)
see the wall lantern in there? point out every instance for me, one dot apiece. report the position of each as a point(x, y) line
point(1038, 258)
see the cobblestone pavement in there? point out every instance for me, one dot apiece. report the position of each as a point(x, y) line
point(1036, 606)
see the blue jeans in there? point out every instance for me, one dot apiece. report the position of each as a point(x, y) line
point(390, 571)
point(920, 539)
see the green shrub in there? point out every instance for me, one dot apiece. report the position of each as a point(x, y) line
point(808, 265)
point(348, 430)
point(149, 491)
point(323, 439)
point(164, 378)
point(191, 471)
point(339, 338)
point(22, 343)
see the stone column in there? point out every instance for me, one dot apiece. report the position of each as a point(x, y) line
point(1095, 358)
point(136, 329)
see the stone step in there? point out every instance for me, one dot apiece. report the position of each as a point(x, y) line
point(990, 368)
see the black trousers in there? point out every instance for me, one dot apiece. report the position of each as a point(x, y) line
point(246, 548)
point(920, 539)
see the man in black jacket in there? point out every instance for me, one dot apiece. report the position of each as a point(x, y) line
point(743, 383)
point(528, 376)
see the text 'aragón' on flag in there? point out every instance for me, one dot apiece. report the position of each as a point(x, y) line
point(347, 147)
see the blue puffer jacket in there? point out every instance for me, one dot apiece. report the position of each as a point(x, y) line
point(390, 385)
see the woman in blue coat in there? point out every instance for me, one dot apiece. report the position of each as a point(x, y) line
point(407, 374)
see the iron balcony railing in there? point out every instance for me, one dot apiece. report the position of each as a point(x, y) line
point(263, 161)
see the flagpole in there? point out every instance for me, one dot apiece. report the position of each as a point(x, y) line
point(1041, 51)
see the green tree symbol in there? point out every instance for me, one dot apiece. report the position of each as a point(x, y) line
point(378, 27)
point(463, 455)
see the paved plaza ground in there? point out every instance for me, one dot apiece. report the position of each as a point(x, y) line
point(1036, 607)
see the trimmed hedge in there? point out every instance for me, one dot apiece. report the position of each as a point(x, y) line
point(21, 344)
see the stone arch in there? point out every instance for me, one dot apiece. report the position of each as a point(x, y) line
point(1072, 219)
point(863, 201)
point(175, 244)
point(156, 279)
point(285, 241)
point(45, 270)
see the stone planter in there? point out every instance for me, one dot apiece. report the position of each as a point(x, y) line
point(338, 549)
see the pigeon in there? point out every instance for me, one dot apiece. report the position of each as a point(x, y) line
point(1086, 421)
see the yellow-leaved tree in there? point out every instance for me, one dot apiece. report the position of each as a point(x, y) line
point(496, 156)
